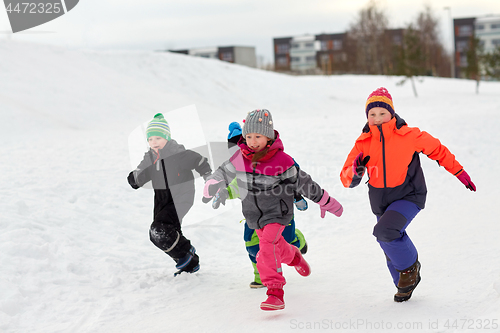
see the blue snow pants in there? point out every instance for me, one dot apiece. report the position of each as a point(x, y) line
point(390, 232)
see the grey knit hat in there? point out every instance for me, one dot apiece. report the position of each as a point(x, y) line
point(259, 121)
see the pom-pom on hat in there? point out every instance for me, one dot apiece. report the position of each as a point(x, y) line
point(380, 98)
point(259, 121)
point(158, 127)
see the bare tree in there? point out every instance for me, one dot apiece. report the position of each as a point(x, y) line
point(368, 34)
point(436, 62)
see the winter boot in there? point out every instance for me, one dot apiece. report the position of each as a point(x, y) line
point(274, 300)
point(408, 281)
point(256, 283)
point(300, 263)
point(189, 263)
point(303, 250)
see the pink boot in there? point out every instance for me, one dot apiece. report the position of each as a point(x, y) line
point(274, 300)
point(300, 263)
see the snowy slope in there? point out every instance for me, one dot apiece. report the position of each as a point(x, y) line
point(74, 249)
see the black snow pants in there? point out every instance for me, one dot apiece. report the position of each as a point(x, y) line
point(165, 231)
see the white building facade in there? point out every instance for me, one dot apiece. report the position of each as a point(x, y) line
point(303, 52)
point(487, 29)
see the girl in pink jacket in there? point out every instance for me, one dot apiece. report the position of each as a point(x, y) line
point(267, 179)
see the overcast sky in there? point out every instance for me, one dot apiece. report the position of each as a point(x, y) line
point(169, 24)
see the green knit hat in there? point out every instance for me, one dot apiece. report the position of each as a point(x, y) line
point(158, 127)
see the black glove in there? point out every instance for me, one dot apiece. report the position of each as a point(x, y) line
point(359, 164)
point(131, 181)
point(220, 198)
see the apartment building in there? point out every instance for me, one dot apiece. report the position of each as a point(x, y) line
point(486, 28)
point(327, 52)
point(282, 53)
point(303, 52)
point(242, 55)
point(332, 55)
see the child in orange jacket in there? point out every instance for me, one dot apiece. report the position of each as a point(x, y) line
point(389, 150)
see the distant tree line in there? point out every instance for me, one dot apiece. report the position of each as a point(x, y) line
point(413, 51)
point(481, 64)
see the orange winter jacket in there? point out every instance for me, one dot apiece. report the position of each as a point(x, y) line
point(394, 167)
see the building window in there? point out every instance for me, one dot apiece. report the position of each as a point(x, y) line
point(465, 30)
point(295, 46)
point(309, 45)
point(227, 56)
point(324, 45)
point(311, 59)
point(337, 44)
point(480, 27)
point(295, 59)
point(495, 42)
point(325, 59)
point(282, 62)
point(397, 40)
point(495, 26)
point(462, 45)
point(463, 60)
point(283, 48)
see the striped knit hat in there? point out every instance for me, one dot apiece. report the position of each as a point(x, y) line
point(380, 98)
point(158, 127)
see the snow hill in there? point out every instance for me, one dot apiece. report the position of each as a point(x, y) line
point(74, 249)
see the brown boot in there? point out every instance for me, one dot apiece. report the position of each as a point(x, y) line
point(408, 281)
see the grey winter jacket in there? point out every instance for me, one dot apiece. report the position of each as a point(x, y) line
point(170, 172)
point(267, 188)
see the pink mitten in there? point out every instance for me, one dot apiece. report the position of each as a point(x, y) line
point(212, 186)
point(327, 203)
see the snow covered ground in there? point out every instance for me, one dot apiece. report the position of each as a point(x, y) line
point(74, 249)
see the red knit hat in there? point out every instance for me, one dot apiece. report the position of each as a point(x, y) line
point(379, 98)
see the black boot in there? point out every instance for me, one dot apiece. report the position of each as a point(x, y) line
point(190, 263)
point(408, 281)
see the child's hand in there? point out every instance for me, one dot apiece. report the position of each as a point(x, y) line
point(131, 181)
point(212, 187)
point(300, 204)
point(359, 164)
point(220, 198)
point(327, 203)
point(465, 179)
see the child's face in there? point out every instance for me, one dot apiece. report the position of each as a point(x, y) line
point(157, 142)
point(378, 116)
point(256, 141)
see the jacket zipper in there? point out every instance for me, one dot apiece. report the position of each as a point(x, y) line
point(164, 174)
point(255, 198)
point(382, 139)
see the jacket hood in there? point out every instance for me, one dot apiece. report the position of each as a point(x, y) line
point(276, 145)
point(170, 148)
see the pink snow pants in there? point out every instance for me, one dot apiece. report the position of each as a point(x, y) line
point(274, 250)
